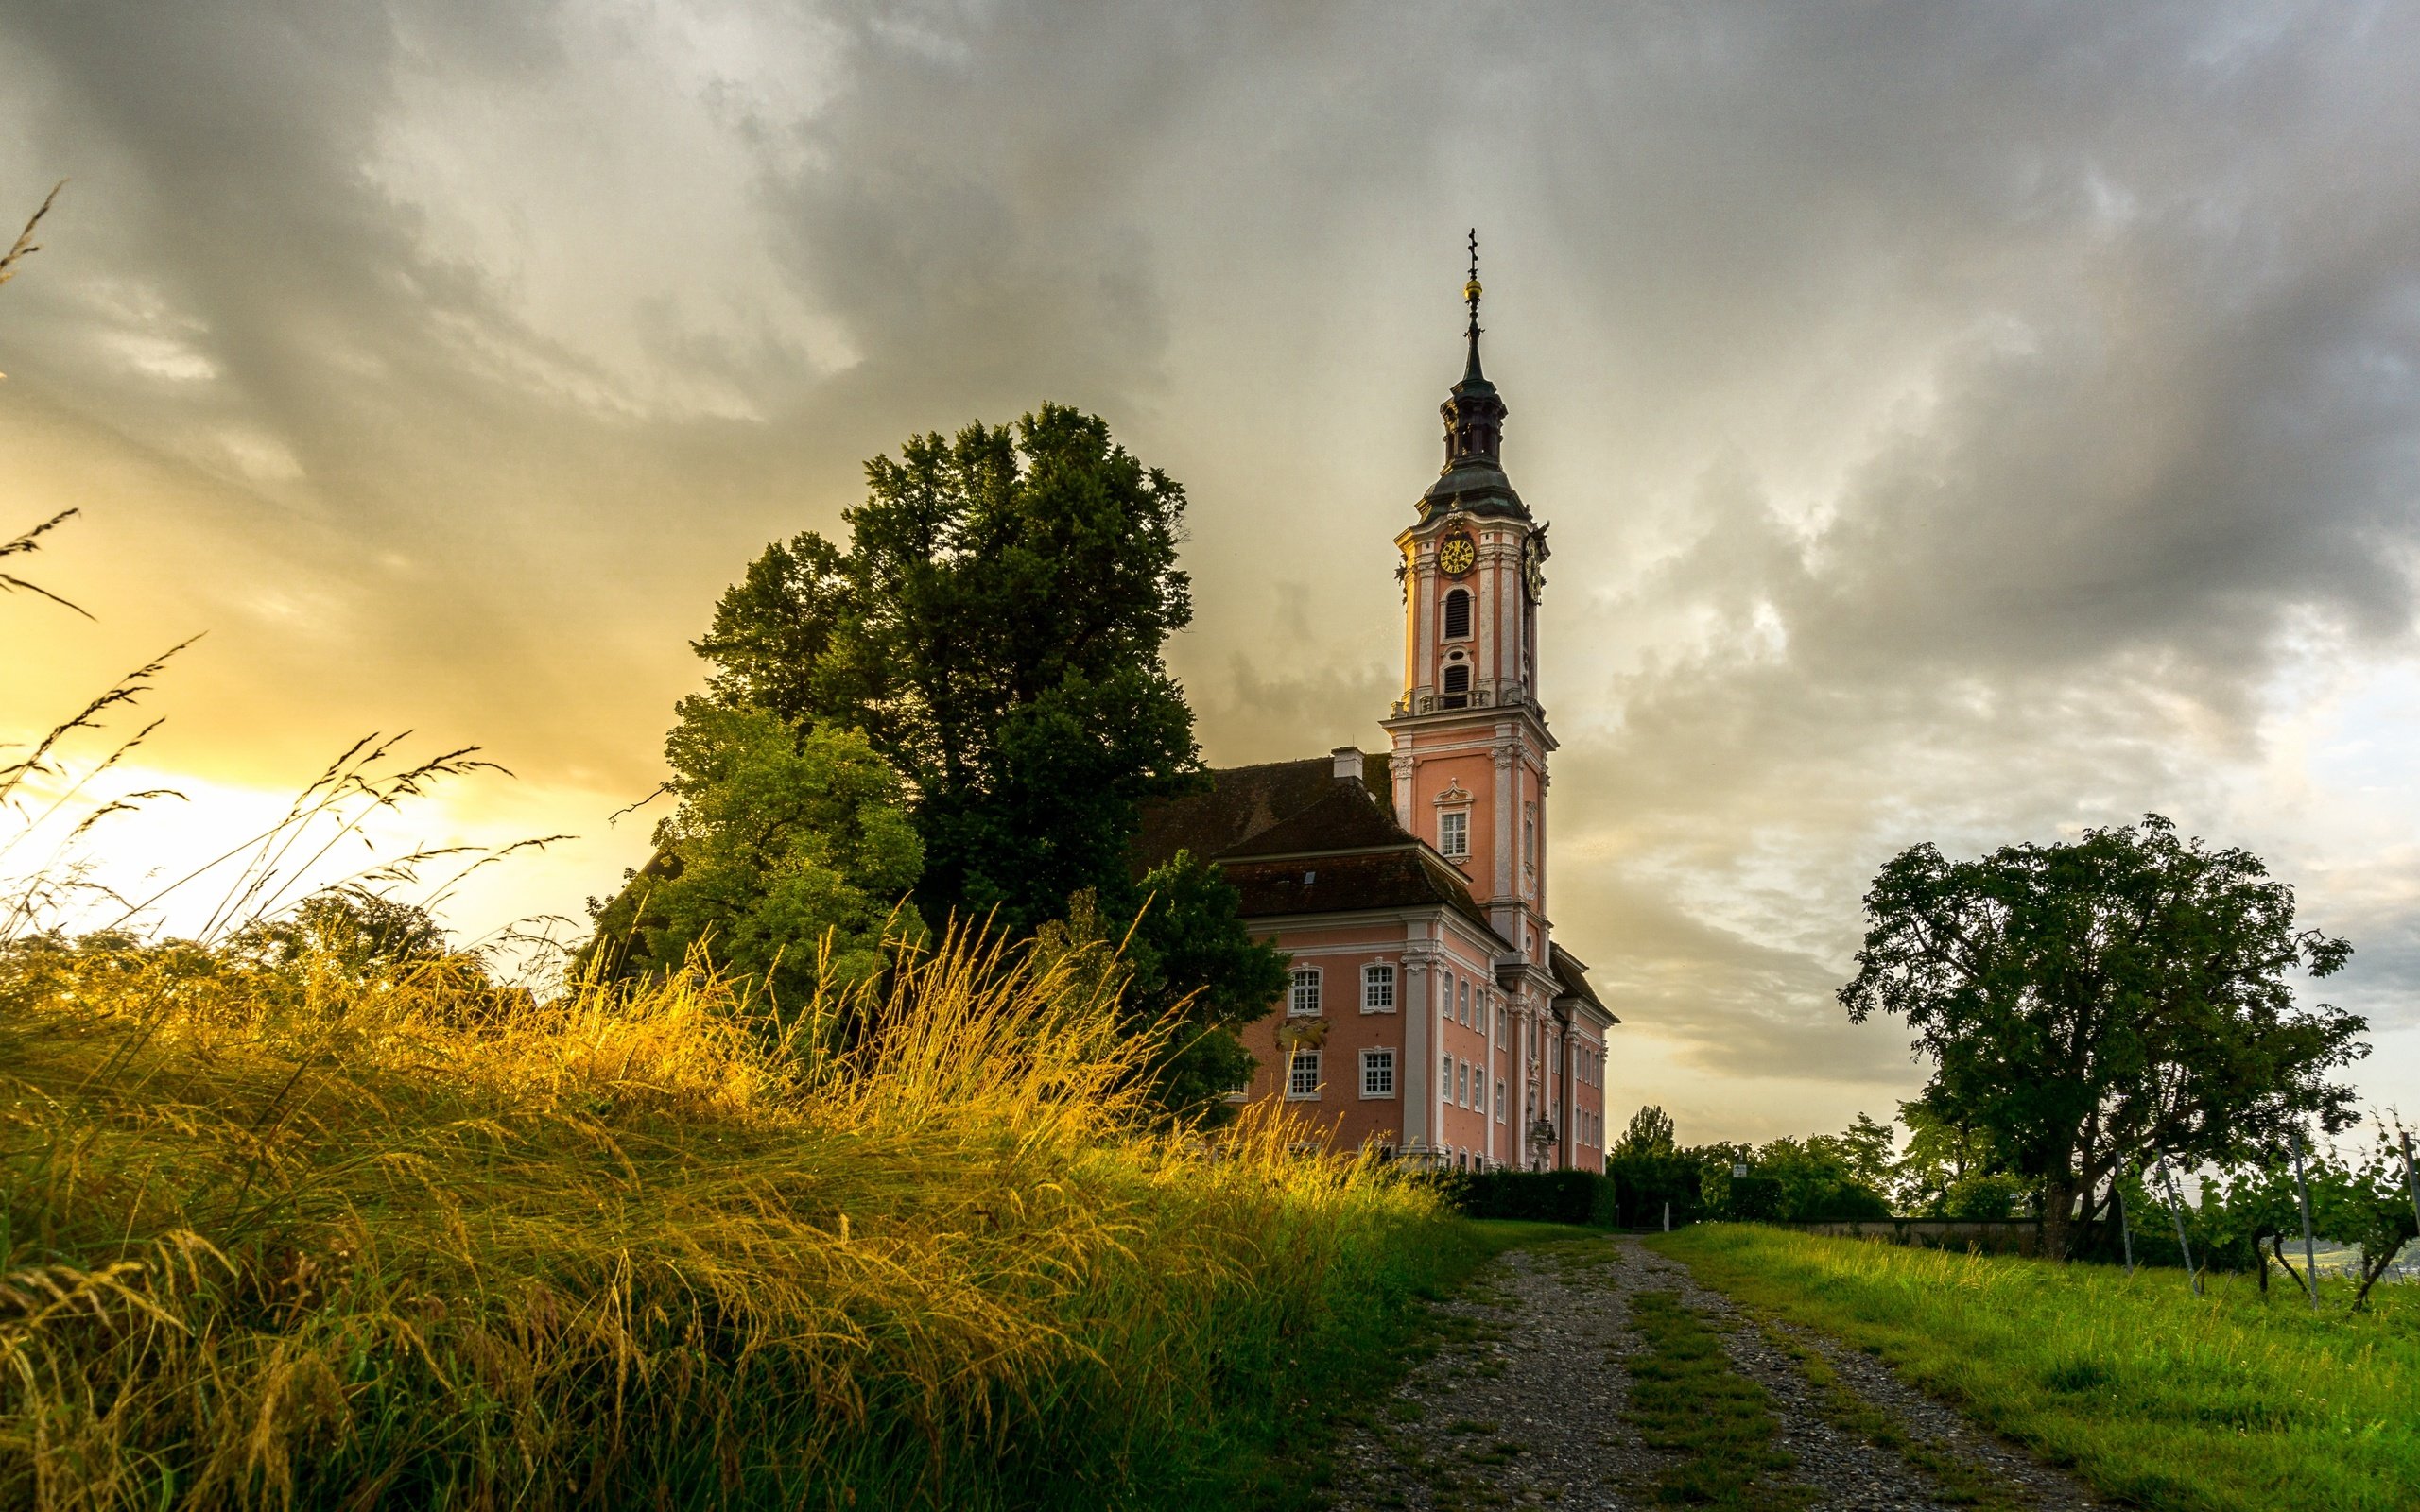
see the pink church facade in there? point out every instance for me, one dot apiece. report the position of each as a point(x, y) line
point(1430, 1012)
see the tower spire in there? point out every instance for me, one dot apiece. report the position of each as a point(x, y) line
point(1470, 295)
point(1473, 478)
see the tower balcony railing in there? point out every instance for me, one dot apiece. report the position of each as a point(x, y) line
point(1424, 701)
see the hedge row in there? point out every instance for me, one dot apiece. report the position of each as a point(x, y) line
point(1545, 1196)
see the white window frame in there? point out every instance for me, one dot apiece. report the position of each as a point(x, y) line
point(1376, 1064)
point(1299, 1004)
point(1454, 833)
point(1500, 1099)
point(1445, 1076)
point(1378, 988)
point(1297, 1065)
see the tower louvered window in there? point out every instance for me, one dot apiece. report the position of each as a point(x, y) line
point(1458, 614)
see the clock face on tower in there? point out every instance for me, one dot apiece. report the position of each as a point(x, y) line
point(1457, 556)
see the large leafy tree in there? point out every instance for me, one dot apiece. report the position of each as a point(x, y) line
point(1952, 1170)
point(2106, 1000)
point(787, 860)
point(1183, 967)
point(993, 629)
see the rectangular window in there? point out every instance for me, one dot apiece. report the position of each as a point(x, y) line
point(1303, 1001)
point(1378, 988)
point(1446, 1078)
point(1454, 833)
point(1463, 1006)
point(1463, 1085)
point(1303, 1074)
point(1377, 1074)
point(1500, 1100)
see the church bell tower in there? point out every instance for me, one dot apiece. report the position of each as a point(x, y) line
point(1470, 739)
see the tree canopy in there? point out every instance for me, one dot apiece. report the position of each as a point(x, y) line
point(990, 637)
point(787, 860)
point(995, 628)
point(2108, 998)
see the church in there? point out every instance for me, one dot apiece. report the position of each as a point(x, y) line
point(1430, 1012)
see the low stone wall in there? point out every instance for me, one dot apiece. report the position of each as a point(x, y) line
point(1993, 1236)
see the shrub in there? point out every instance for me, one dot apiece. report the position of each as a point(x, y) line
point(1543, 1196)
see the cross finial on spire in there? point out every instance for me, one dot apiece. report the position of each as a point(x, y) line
point(1470, 297)
point(1470, 290)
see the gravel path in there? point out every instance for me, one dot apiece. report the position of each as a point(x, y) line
point(1522, 1404)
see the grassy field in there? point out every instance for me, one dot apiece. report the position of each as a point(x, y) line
point(304, 1238)
point(2226, 1402)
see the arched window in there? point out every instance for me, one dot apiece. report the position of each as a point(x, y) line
point(1458, 614)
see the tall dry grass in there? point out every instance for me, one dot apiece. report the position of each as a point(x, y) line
point(311, 1235)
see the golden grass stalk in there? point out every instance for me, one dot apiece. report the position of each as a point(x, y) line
point(307, 1235)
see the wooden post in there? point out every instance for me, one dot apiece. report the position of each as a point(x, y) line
point(2311, 1247)
point(2176, 1211)
point(2117, 1195)
point(1668, 1215)
point(2411, 1177)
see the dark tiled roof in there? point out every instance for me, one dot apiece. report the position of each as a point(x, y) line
point(1342, 850)
point(1348, 819)
point(1572, 973)
point(1239, 803)
point(1408, 876)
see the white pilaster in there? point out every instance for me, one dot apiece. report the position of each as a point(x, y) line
point(1420, 959)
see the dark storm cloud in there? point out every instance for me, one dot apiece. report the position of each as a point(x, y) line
point(1958, 422)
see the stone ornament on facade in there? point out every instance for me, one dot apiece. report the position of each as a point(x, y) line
point(1301, 1033)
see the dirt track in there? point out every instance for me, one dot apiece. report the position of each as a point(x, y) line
point(1524, 1404)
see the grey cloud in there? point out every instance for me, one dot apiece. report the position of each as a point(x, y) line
point(1957, 421)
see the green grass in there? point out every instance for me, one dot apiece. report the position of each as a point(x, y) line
point(275, 1238)
point(2227, 1401)
point(1688, 1400)
point(1956, 1481)
point(1500, 1235)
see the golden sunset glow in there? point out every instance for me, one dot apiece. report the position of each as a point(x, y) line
point(1943, 436)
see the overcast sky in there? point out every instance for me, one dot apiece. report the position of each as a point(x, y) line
point(1967, 424)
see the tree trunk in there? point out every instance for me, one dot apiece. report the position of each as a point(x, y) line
point(2277, 1247)
point(2371, 1271)
point(2058, 1208)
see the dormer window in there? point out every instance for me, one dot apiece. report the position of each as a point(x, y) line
point(1458, 614)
